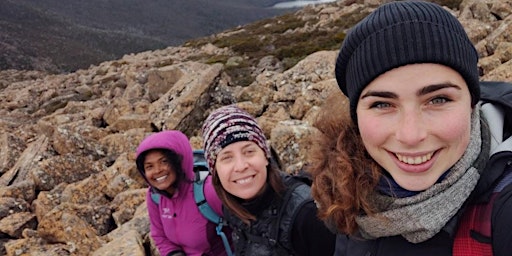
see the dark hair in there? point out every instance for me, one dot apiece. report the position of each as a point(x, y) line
point(274, 179)
point(172, 157)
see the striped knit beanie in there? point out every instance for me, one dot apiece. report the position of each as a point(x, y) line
point(230, 124)
point(401, 33)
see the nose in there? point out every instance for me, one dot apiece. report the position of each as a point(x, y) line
point(159, 167)
point(411, 129)
point(240, 164)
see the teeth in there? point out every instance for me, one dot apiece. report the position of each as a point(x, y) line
point(246, 180)
point(161, 178)
point(414, 160)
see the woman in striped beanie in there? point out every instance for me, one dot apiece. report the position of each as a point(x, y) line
point(271, 213)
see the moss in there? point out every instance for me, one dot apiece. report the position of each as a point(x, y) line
point(276, 25)
point(217, 59)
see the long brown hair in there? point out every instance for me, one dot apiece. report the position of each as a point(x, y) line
point(344, 175)
point(231, 202)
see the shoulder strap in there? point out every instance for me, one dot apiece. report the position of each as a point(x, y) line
point(155, 196)
point(207, 211)
point(201, 203)
point(292, 183)
point(277, 211)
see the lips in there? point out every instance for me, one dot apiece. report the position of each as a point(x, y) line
point(414, 160)
point(244, 180)
point(414, 163)
point(161, 178)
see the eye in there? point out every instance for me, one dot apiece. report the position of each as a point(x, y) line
point(380, 105)
point(250, 150)
point(148, 167)
point(439, 100)
point(224, 158)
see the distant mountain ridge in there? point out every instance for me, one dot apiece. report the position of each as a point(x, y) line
point(63, 36)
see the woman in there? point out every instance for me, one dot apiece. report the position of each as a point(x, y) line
point(270, 213)
point(165, 160)
point(396, 173)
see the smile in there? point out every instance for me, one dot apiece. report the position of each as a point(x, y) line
point(161, 178)
point(245, 180)
point(414, 159)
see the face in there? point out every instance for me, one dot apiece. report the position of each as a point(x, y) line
point(159, 171)
point(242, 169)
point(415, 122)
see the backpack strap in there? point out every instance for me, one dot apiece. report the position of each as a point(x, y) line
point(207, 211)
point(292, 185)
point(201, 203)
point(155, 197)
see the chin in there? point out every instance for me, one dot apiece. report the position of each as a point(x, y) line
point(416, 187)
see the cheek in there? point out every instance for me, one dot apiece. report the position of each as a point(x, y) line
point(148, 173)
point(372, 130)
point(456, 129)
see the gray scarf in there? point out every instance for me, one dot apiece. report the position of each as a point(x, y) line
point(420, 217)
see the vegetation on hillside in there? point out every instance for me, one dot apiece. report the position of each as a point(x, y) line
point(283, 37)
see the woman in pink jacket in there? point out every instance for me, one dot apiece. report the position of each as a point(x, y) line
point(165, 160)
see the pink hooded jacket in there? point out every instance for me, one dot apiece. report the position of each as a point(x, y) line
point(176, 223)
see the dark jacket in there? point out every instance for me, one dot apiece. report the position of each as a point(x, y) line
point(285, 225)
point(442, 243)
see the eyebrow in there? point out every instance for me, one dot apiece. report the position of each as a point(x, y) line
point(158, 159)
point(248, 145)
point(243, 147)
point(423, 91)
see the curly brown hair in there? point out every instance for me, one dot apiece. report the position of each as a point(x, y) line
point(344, 175)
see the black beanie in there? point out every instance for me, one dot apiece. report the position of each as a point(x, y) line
point(401, 33)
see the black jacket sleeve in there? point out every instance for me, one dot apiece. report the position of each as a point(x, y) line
point(310, 236)
point(502, 222)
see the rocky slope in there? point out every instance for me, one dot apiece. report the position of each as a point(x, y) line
point(68, 181)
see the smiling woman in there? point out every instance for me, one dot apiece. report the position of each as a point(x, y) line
point(271, 213)
point(159, 170)
point(416, 132)
point(400, 171)
point(165, 160)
